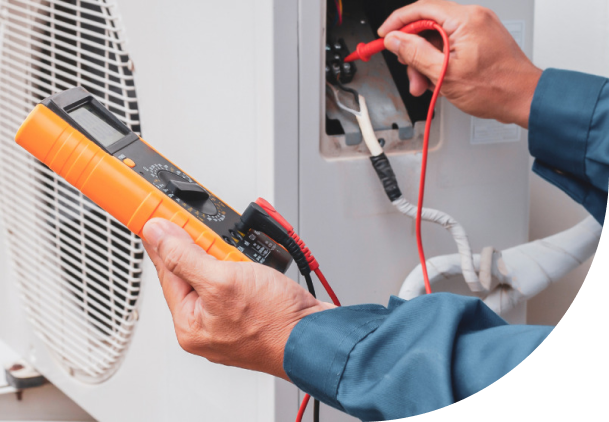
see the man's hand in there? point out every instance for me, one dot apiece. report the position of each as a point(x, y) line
point(237, 314)
point(488, 74)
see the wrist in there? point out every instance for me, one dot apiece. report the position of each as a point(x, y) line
point(523, 87)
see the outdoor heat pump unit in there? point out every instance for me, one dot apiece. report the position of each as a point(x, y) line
point(247, 117)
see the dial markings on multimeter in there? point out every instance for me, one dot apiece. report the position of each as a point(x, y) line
point(83, 142)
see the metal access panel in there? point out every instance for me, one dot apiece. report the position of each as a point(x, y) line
point(478, 173)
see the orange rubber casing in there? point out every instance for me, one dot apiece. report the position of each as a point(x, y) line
point(109, 182)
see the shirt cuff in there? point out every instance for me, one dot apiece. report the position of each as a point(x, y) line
point(319, 346)
point(560, 118)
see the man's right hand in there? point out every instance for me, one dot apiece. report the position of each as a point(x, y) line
point(488, 74)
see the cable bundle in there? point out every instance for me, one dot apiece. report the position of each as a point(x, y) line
point(382, 166)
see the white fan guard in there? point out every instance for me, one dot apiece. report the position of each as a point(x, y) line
point(78, 269)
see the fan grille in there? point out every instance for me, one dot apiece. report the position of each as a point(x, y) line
point(78, 269)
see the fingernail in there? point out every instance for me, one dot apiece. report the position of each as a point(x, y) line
point(393, 43)
point(153, 232)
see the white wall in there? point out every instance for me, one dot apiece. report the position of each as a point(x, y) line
point(568, 35)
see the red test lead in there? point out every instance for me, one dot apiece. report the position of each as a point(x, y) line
point(313, 264)
point(365, 51)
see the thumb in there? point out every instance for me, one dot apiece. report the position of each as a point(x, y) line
point(179, 254)
point(417, 52)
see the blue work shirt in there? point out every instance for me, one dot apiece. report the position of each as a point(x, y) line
point(569, 136)
point(412, 357)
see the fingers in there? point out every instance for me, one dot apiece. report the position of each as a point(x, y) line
point(419, 83)
point(174, 288)
point(436, 10)
point(417, 52)
point(176, 252)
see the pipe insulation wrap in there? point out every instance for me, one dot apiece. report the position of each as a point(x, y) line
point(518, 273)
point(467, 267)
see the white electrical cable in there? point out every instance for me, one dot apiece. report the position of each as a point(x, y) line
point(363, 119)
point(516, 274)
point(456, 230)
point(427, 214)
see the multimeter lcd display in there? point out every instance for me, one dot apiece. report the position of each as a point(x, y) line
point(93, 122)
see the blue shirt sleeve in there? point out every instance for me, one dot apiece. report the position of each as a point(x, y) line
point(569, 136)
point(412, 357)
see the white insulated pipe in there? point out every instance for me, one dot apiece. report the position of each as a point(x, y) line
point(516, 274)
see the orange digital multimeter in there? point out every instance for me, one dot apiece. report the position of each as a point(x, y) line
point(82, 141)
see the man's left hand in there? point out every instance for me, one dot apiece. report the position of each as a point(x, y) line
point(237, 314)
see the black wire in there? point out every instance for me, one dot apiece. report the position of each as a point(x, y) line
point(350, 91)
point(311, 289)
point(315, 401)
point(310, 284)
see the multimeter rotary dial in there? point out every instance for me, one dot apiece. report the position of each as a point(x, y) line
point(187, 191)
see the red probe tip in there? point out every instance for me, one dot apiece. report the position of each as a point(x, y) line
point(352, 57)
point(365, 51)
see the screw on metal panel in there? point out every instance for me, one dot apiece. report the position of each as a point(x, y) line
point(131, 65)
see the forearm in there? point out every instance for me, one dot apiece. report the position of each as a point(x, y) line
point(380, 363)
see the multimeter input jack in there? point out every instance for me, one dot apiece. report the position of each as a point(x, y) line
point(256, 218)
